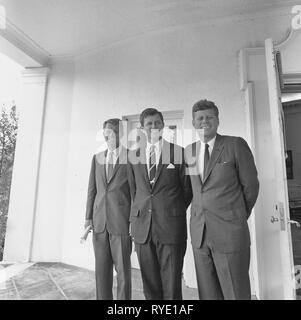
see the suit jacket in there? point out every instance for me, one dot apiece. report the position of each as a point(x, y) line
point(164, 205)
point(224, 200)
point(109, 203)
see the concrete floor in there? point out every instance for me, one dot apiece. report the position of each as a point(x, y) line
point(57, 281)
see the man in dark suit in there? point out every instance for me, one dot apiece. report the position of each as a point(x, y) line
point(225, 188)
point(108, 211)
point(161, 193)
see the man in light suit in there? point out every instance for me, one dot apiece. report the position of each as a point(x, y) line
point(225, 188)
point(161, 193)
point(108, 211)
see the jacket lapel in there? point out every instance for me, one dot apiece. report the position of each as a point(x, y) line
point(162, 160)
point(141, 154)
point(101, 160)
point(120, 160)
point(216, 152)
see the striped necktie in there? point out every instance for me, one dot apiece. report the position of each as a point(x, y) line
point(152, 164)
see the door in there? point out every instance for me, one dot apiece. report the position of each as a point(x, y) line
point(280, 216)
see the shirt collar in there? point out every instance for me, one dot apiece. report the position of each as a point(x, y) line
point(157, 145)
point(116, 151)
point(210, 143)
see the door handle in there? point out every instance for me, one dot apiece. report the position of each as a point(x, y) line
point(298, 225)
point(273, 219)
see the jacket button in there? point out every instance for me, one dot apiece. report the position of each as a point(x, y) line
point(150, 210)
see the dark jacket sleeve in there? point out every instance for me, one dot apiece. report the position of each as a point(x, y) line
point(91, 191)
point(247, 173)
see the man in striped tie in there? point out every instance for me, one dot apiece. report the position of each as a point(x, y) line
point(161, 193)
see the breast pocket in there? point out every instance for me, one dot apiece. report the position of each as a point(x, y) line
point(224, 168)
point(170, 176)
point(225, 164)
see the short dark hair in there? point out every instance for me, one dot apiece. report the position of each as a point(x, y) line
point(114, 122)
point(204, 105)
point(150, 112)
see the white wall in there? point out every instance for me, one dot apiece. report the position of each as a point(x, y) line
point(290, 53)
point(168, 70)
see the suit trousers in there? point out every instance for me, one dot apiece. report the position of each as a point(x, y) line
point(222, 276)
point(161, 268)
point(112, 250)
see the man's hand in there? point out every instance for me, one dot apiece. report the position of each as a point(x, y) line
point(88, 223)
point(88, 228)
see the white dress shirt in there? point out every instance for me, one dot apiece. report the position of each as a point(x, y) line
point(202, 154)
point(158, 147)
point(116, 153)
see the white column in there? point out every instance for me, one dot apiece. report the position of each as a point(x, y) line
point(23, 196)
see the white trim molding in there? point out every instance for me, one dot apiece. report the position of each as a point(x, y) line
point(21, 41)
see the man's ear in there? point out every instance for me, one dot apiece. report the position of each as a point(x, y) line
point(193, 122)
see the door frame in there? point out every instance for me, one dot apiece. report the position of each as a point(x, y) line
point(292, 81)
point(177, 115)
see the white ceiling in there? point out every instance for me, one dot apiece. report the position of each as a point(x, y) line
point(72, 27)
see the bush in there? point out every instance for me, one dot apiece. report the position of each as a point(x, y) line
point(8, 135)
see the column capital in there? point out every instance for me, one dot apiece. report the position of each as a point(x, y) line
point(35, 75)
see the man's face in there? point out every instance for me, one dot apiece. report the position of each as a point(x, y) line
point(111, 136)
point(206, 124)
point(153, 127)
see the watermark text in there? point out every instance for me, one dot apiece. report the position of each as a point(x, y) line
point(2, 18)
point(296, 21)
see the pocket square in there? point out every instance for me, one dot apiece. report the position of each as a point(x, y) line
point(170, 166)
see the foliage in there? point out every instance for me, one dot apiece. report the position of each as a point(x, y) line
point(8, 136)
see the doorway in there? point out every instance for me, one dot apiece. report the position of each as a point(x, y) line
point(173, 127)
point(272, 252)
point(291, 103)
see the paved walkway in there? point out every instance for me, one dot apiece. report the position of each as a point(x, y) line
point(57, 281)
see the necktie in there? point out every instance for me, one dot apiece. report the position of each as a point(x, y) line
point(152, 164)
point(110, 166)
point(206, 159)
